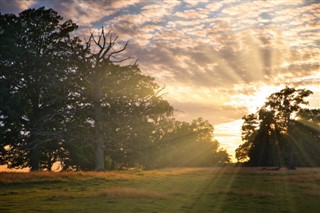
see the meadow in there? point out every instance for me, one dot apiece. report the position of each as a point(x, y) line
point(225, 189)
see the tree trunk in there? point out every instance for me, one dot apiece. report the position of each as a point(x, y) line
point(99, 152)
point(291, 163)
point(35, 159)
point(50, 163)
point(34, 138)
point(99, 142)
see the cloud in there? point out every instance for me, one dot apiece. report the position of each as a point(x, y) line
point(216, 57)
point(86, 13)
point(215, 114)
point(121, 4)
point(191, 45)
point(15, 6)
point(191, 14)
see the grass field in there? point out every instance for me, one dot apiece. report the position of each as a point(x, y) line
point(170, 190)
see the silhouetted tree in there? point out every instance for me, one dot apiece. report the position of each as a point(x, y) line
point(304, 137)
point(249, 132)
point(34, 62)
point(270, 142)
point(77, 102)
point(112, 98)
point(283, 104)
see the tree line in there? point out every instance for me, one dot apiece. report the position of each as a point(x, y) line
point(76, 102)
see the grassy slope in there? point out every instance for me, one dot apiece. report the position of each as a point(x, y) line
point(176, 190)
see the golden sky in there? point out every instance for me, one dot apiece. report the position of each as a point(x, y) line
point(218, 59)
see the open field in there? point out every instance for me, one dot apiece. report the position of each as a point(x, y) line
point(169, 190)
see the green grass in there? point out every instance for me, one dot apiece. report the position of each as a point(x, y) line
point(171, 190)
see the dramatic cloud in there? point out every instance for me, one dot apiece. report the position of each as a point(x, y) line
point(15, 6)
point(218, 59)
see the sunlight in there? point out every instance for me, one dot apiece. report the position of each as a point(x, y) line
point(253, 96)
point(229, 136)
point(214, 183)
point(4, 168)
point(301, 134)
point(159, 106)
point(260, 96)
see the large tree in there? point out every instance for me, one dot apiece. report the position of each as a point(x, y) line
point(112, 100)
point(34, 60)
point(268, 134)
point(73, 101)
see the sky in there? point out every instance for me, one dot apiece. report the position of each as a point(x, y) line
point(217, 59)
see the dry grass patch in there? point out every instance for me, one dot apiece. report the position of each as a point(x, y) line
point(183, 171)
point(304, 178)
point(125, 192)
point(250, 193)
point(40, 177)
point(109, 175)
point(309, 188)
point(313, 192)
point(14, 177)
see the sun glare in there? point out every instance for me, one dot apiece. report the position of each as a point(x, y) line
point(228, 135)
point(251, 97)
point(260, 96)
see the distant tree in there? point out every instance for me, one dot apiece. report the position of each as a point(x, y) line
point(34, 64)
point(188, 144)
point(267, 134)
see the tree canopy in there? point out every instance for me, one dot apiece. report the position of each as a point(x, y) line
point(188, 144)
point(282, 132)
point(34, 73)
point(75, 101)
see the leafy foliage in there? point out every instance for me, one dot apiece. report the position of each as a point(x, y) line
point(111, 100)
point(188, 144)
point(76, 102)
point(34, 70)
point(280, 132)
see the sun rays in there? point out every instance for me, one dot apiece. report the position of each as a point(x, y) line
point(217, 60)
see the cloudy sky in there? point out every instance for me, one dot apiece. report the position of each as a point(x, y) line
point(217, 59)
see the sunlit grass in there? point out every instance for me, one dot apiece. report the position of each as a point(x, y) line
point(50, 177)
point(224, 189)
point(125, 192)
